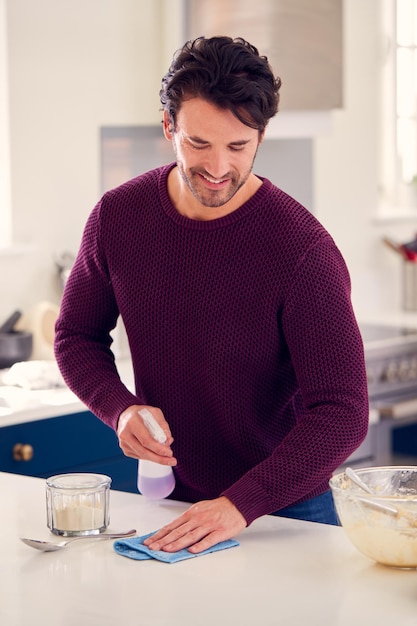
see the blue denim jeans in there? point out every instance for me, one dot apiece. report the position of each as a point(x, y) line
point(319, 509)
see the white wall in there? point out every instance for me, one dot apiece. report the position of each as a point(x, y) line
point(5, 200)
point(346, 170)
point(75, 65)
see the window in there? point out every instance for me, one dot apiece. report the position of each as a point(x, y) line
point(399, 105)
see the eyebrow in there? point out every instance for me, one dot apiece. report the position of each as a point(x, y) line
point(240, 142)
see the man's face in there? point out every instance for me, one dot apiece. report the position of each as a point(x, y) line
point(214, 152)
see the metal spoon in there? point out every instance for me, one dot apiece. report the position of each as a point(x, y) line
point(50, 546)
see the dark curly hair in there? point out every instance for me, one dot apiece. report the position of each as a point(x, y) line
point(229, 73)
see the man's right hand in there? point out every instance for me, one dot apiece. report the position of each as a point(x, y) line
point(136, 441)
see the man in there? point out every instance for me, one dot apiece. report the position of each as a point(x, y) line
point(236, 303)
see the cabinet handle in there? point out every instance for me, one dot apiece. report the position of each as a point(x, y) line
point(22, 452)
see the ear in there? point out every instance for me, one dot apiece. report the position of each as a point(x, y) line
point(166, 124)
point(261, 136)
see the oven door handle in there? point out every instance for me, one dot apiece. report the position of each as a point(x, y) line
point(398, 410)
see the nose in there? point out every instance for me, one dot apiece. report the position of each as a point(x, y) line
point(217, 164)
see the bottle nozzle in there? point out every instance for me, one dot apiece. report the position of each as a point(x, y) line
point(153, 426)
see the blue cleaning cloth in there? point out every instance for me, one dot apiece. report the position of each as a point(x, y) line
point(133, 548)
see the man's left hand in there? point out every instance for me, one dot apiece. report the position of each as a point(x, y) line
point(200, 527)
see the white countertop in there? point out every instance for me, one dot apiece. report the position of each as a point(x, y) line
point(285, 572)
point(18, 405)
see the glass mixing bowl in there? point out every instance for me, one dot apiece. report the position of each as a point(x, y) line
point(383, 526)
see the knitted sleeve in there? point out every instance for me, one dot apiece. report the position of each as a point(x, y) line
point(327, 354)
point(82, 340)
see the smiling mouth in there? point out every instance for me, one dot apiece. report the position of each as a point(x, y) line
point(214, 181)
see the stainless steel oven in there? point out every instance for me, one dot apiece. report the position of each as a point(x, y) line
point(391, 365)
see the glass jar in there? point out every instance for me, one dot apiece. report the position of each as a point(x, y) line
point(78, 504)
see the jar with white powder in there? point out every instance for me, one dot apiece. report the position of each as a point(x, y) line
point(78, 504)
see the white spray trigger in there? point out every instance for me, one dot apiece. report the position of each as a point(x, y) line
point(152, 425)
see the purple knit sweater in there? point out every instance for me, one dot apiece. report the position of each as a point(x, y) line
point(240, 329)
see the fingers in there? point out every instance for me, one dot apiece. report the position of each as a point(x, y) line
point(195, 541)
point(133, 413)
point(202, 526)
point(137, 442)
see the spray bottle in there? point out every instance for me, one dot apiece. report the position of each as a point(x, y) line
point(155, 481)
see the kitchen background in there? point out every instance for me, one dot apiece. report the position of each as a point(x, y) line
point(80, 112)
point(77, 67)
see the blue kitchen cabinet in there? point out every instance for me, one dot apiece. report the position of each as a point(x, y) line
point(79, 442)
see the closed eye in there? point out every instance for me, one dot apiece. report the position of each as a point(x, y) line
point(197, 143)
point(199, 146)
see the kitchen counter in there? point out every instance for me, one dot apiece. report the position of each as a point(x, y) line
point(18, 405)
point(285, 572)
